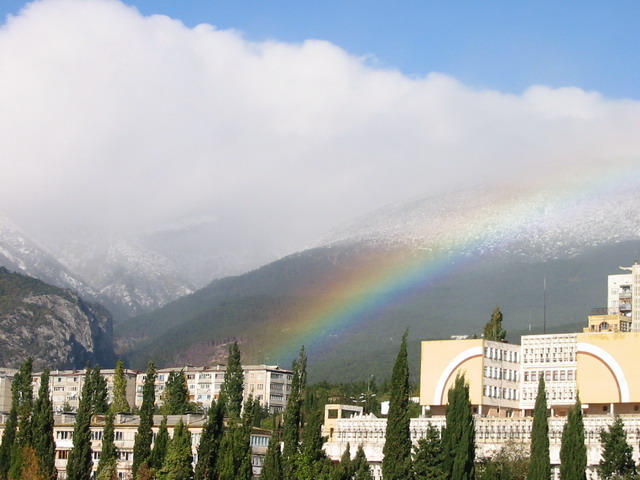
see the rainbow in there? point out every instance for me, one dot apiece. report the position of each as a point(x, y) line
point(348, 302)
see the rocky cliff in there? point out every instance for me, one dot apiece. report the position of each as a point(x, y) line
point(54, 326)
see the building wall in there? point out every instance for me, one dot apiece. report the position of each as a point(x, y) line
point(607, 367)
point(6, 378)
point(492, 370)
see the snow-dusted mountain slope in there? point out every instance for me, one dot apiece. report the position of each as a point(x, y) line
point(139, 271)
point(20, 253)
point(541, 224)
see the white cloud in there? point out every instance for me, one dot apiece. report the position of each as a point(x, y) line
point(110, 118)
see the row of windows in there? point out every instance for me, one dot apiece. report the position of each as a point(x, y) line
point(499, 354)
point(493, 391)
point(501, 373)
point(550, 376)
point(552, 394)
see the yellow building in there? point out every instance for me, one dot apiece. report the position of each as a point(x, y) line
point(492, 370)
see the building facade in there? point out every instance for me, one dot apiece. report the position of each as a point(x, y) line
point(125, 428)
point(270, 384)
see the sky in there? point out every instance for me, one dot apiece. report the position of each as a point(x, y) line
point(293, 117)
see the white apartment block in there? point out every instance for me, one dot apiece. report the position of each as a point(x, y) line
point(125, 428)
point(268, 383)
point(623, 295)
point(65, 387)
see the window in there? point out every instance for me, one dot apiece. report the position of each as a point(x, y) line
point(62, 454)
point(119, 435)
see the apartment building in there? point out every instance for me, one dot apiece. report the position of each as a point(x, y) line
point(125, 428)
point(623, 295)
point(268, 383)
point(6, 378)
point(65, 387)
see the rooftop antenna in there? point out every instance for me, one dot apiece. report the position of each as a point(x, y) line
point(544, 306)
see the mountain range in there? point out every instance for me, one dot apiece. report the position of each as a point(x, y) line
point(491, 247)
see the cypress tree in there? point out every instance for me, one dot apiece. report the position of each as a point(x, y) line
point(272, 467)
point(177, 463)
point(80, 464)
point(160, 445)
point(617, 454)
point(459, 435)
point(292, 417)
point(540, 463)
point(396, 461)
point(42, 428)
point(312, 460)
point(10, 449)
point(361, 466)
point(573, 452)
point(232, 389)
point(99, 402)
point(142, 442)
point(493, 328)
point(120, 403)
point(108, 450)
point(175, 398)
point(235, 448)
point(24, 409)
point(345, 470)
point(209, 447)
point(428, 457)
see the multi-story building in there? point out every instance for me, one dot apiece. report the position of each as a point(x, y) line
point(267, 383)
point(493, 366)
point(125, 428)
point(623, 295)
point(6, 378)
point(65, 387)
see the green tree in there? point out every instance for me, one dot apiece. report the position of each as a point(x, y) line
point(9, 436)
point(120, 403)
point(509, 463)
point(142, 442)
point(540, 463)
point(80, 464)
point(108, 451)
point(235, 449)
point(175, 397)
point(345, 470)
point(312, 461)
point(177, 463)
point(209, 447)
point(396, 461)
point(459, 435)
point(99, 402)
point(617, 454)
point(292, 417)
point(493, 329)
point(24, 410)
point(573, 452)
point(109, 470)
point(160, 445)
point(233, 387)
point(428, 457)
point(361, 466)
point(272, 467)
point(42, 428)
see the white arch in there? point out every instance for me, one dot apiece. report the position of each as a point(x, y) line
point(451, 366)
point(611, 362)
